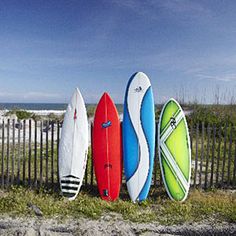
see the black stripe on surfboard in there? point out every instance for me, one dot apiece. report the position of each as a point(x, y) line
point(69, 195)
point(69, 188)
point(70, 182)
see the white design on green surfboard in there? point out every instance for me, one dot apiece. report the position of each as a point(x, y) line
point(174, 150)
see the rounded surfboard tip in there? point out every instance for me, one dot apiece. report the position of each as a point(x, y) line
point(139, 74)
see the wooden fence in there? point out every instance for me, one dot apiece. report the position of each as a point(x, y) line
point(29, 156)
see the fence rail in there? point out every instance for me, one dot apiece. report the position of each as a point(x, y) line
point(29, 156)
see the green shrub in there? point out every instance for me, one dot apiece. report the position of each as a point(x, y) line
point(21, 114)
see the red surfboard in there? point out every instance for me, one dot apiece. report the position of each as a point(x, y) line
point(107, 152)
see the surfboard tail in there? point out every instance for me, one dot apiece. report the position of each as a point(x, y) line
point(70, 186)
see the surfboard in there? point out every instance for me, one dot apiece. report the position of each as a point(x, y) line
point(174, 150)
point(107, 153)
point(73, 147)
point(138, 136)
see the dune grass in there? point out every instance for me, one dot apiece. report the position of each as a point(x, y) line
point(218, 205)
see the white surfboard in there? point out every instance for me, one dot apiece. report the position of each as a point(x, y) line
point(73, 147)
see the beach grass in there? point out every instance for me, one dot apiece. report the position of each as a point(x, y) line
point(217, 205)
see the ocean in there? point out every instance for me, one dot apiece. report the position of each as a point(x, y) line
point(48, 107)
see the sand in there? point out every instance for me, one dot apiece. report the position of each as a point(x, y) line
point(111, 224)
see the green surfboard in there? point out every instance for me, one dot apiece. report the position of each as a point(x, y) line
point(174, 150)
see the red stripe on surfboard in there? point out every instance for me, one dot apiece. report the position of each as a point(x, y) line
point(107, 153)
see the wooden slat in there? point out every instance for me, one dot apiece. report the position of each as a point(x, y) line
point(18, 152)
point(234, 172)
point(47, 125)
point(58, 142)
point(52, 153)
point(35, 153)
point(207, 156)
point(8, 151)
point(155, 157)
point(91, 173)
point(229, 155)
point(41, 154)
point(161, 180)
point(202, 154)
point(224, 155)
point(86, 176)
point(191, 136)
point(218, 156)
point(3, 153)
point(196, 157)
point(29, 155)
point(158, 159)
point(24, 147)
point(213, 155)
point(13, 153)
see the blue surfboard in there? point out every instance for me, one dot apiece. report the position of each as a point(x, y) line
point(138, 136)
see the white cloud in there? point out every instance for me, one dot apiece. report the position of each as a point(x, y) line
point(154, 9)
point(28, 96)
point(184, 6)
point(224, 78)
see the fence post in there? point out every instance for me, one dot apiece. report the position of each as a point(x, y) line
point(86, 174)
point(208, 152)
point(230, 154)
point(202, 154)
point(234, 172)
point(224, 155)
point(3, 144)
point(18, 153)
point(52, 153)
point(24, 152)
point(35, 154)
point(47, 127)
point(8, 151)
point(213, 155)
point(41, 154)
point(29, 159)
point(58, 142)
point(196, 157)
point(218, 157)
point(155, 155)
point(91, 135)
point(13, 153)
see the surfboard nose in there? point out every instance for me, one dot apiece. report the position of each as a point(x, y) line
point(105, 96)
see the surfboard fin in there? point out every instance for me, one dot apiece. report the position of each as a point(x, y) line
point(105, 193)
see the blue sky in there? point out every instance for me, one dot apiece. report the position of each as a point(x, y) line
point(47, 48)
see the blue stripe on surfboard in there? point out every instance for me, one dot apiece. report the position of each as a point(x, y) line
point(130, 140)
point(148, 125)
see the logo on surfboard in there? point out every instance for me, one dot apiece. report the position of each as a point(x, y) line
point(108, 165)
point(172, 122)
point(75, 114)
point(138, 89)
point(106, 124)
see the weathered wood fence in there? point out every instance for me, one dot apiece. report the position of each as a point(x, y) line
point(29, 156)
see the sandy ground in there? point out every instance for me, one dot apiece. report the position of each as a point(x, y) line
point(111, 224)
